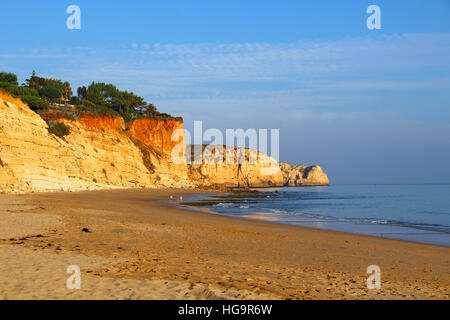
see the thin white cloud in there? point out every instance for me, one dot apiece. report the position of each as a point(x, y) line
point(303, 74)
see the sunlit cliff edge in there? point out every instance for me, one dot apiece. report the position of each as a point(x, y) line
point(103, 152)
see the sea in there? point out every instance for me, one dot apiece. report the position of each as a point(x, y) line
point(418, 213)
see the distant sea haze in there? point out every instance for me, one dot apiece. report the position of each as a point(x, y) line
point(419, 212)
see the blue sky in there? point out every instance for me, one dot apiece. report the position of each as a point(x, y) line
point(369, 106)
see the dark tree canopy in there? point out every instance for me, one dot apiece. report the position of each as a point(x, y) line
point(81, 91)
point(8, 77)
point(38, 83)
point(106, 94)
point(50, 92)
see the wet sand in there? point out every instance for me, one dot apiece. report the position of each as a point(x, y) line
point(139, 247)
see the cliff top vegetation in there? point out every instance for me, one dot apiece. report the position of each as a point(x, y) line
point(54, 98)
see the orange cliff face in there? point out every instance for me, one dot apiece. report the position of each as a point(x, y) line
point(102, 123)
point(157, 140)
point(104, 153)
point(156, 133)
point(145, 143)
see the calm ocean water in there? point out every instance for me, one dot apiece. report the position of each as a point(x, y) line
point(418, 213)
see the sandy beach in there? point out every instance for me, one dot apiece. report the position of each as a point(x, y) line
point(140, 247)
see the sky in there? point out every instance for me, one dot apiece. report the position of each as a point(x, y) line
point(368, 106)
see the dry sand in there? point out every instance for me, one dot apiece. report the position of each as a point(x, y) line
point(141, 248)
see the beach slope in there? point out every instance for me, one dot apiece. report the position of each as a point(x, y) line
point(129, 244)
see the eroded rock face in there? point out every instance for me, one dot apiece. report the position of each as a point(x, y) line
point(301, 175)
point(27, 152)
point(154, 139)
point(214, 170)
point(99, 151)
point(253, 170)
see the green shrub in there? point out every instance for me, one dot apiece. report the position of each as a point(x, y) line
point(16, 91)
point(33, 102)
point(24, 91)
point(88, 104)
point(8, 77)
point(104, 111)
point(159, 116)
point(58, 129)
point(88, 107)
point(7, 86)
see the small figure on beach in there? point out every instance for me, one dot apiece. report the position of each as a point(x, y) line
point(171, 197)
point(181, 198)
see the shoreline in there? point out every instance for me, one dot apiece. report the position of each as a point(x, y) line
point(136, 242)
point(388, 230)
point(277, 221)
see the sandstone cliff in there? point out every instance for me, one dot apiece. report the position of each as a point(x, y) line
point(256, 169)
point(301, 175)
point(98, 153)
point(154, 139)
point(102, 152)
